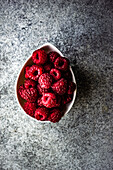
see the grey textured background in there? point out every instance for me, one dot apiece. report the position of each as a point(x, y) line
point(83, 31)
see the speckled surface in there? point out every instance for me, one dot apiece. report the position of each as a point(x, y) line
point(82, 31)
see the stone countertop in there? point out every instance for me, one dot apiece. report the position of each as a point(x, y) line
point(82, 31)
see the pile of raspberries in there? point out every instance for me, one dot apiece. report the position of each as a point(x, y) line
point(48, 86)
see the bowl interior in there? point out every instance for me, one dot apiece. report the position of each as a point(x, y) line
point(47, 48)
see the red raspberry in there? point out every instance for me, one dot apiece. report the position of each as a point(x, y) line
point(55, 73)
point(41, 113)
point(41, 91)
point(28, 94)
point(61, 63)
point(47, 67)
point(34, 72)
point(39, 57)
point(55, 115)
point(68, 75)
point(58, 101)
point(45, 80)
point(71, 87)
point(49, 100)
point(26, 72)
point(67, 99)
point(39, 101)
point(29, 83)
point(29, 108)
point(53, 55)
point(60, 86)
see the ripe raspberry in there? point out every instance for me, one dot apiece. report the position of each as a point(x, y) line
point(26, 72)
point(39, 57)
point(60, 86)
point(68, 75)
point(66, 99)
point(47, 67)
point(55, 73)
point(29, 108)
point(53, 55)
point(29, 83)
point(71, 87)
point(58, 101)
point(49, 100)
point(41, 113)
point(41, 91)
point(45, 80)
point(28, 94)
point(39, 101)
point(55, 115)
point(34, 72)
point(61, 63)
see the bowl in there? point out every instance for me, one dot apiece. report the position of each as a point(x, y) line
point(47, 47)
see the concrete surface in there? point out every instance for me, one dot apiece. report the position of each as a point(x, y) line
point(83, 31)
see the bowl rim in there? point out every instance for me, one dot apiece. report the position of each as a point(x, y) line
point(18, 75)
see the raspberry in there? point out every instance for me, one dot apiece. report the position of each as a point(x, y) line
point(61, 63)
point(47, 67)
point(58, 101)
point(39, 101)
point(34, 72)
point(71, 87)
point(55, 73)
point(29, 83)
point(39, 57)
point(45, 80)
point(41, 91)
point(60, 86)
point(49, 100)
point(26, 72)
point(68, 75)
point(66, 99)
point(53, 55)
point(29, 108)
point(41, 113)
point(28, 94)
point(55, 115)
